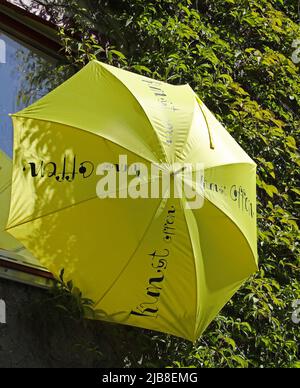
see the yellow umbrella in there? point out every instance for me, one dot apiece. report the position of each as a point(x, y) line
point(156, 261)
point(6, 240)
point(9, 246)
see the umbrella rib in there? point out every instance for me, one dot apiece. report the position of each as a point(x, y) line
point(143, 109)
point(211, 143)
point(235, 224)
point(85, 131)
point(132, 255)
point(184, 147)
point(8, 184)
point(75, 204)
point(50, 213)
point(194, 256)
point(226, 215)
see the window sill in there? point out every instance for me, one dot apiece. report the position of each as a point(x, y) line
point(13, 270)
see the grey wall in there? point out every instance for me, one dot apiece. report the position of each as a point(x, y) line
point(38, 335)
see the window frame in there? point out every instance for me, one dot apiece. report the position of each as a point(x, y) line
point(29, 29)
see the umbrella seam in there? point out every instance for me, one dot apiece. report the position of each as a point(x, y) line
point(227, 216)
point(196, 276)
point(183, 148)
point(69, 206)
point(50, 213)
point(3, 188)
point(211, 143)
point(83, 130)
point(132, 255)
point(146, 114)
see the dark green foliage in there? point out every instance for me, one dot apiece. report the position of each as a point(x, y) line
point(236, 54)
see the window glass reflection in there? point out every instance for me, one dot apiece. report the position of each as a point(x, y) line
point(23, 79)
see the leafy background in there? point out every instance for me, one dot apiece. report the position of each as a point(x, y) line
point(236, 54)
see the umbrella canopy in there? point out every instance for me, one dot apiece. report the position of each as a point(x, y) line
point(153, 261)
point(6, 240)
point(9, 246)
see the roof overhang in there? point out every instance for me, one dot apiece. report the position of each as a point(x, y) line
point(30, 29)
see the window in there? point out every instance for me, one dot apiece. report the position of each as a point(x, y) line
point(18, 85)
point(23, 79)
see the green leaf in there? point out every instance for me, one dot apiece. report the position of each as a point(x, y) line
point(118, 54)
point(230, 342)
